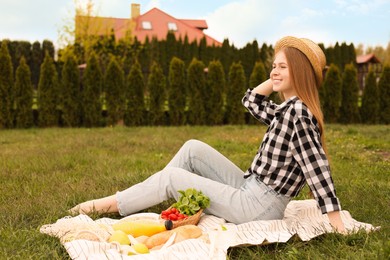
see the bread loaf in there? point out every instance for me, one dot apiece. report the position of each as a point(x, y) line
point(182, 233)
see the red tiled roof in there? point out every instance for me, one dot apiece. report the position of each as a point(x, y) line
point(159, 27)
point(368, 58)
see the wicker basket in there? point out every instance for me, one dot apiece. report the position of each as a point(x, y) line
point(190, 220)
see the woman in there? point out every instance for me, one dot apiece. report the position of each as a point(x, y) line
point(291, 154)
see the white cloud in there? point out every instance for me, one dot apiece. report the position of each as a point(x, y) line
point(239, 21)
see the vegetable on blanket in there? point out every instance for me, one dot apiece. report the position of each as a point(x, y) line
point(188, 204)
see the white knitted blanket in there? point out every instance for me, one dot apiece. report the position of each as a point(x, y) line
point(84, 238)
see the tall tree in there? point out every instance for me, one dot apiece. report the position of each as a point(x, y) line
point(23, 96)
point(369, 111)
point(157, 93)
point(71, 96)
point(258, 75)
point(36, 61)
point(135, 91)
point(6, 86)
point(214, 105)
point(236, 88)
point(177, 91)
point(332, 94)
point(384, 90)
point(196, 91)
point(48, 93)
point(349, 111)
point(115, 94)
point(91, 94)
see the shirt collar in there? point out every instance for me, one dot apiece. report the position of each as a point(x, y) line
point(282, 107)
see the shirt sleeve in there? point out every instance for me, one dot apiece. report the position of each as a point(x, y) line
point(259, 106)
point(308, 152)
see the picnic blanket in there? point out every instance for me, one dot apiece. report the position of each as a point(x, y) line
point(84, 238)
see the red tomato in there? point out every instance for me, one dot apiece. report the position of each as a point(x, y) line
point(173, 217)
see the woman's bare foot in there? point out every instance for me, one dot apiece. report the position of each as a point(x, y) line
point(100, 206)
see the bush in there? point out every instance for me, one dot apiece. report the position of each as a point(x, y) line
point(115, 94)
point(214, 105)
point(23, 96)
point(135, 90)
point(156, 86)
point(384, 90)
point(369, 111)
point(332, 94)
point(236, 89)
point(6, 86)
point(349, 111)
point(48, 93)
point(177, 91)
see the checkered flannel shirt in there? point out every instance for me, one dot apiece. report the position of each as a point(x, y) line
point(291, 153)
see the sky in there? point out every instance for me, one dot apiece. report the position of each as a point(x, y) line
point(364, 22)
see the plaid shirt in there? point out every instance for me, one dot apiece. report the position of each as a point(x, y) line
point(291, 154)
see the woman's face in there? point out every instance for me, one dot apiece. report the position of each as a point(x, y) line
point(280, 76)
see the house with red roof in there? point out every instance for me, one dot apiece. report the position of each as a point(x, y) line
point(153, 23)
point(365, 63)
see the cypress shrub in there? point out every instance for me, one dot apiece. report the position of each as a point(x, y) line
point(156, 86)
point(6, 86)
point(115, 94)
point(135, 90)
point(196, 92)
point(48, 93)
point(236, 89)
point(177, 91)
point(23, 96)
point(214, 105)
point(332, 94)
point(71, 96)
point(36, 61)
point(91, 94)
point(369, 111)
point(349, 110)
point(384, 90)
point(258, 75)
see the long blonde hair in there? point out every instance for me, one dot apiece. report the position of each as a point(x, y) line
point(304, 83)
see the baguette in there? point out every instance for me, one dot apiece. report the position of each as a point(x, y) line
point(182, 233)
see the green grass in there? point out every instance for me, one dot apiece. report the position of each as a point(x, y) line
point(44, 172)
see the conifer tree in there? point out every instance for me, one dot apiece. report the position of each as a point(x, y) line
point(6, 86)
point(135, 91)
point(258, 75)
point(48, 91)
point(369, 111)
point(23, 96)
point(36, 61)
point(114, 92)
point(349, 110)
point(236, 88)
point(157, 88)
point(196, 92)
point(214, 105)
point(91, 94)
point(71, 96)
point(177, 91)
point(384, 90)
point(332, 94)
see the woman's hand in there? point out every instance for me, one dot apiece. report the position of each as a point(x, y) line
point(264, 88)
point(336, 222)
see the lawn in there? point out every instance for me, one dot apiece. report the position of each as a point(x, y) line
point(44, 172)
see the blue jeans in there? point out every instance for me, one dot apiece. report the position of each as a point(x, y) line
point(199, 166)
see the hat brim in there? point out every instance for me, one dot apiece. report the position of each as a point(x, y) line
point(309, 48)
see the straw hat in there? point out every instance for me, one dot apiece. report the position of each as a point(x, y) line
point(311, 50)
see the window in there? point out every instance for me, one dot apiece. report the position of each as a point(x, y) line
point(172, 27)
point(146, 25)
